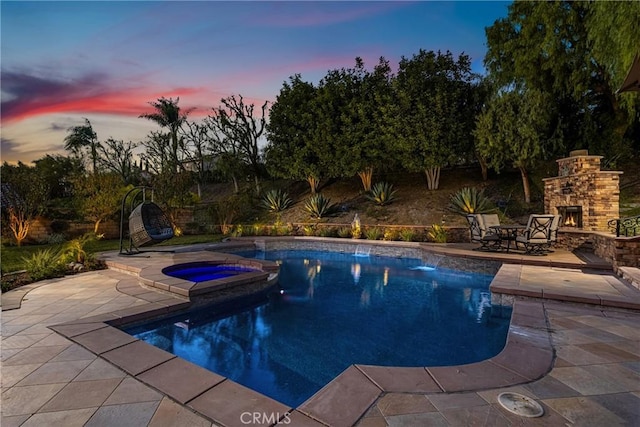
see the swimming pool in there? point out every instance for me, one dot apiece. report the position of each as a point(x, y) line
point(335, 310)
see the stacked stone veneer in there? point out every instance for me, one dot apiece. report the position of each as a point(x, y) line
point(580, 182)
point(619, 251)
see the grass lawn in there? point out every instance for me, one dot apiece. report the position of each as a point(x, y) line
point(11, 257)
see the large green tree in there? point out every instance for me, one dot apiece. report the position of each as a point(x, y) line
point(354, 120)
point(98, 196)
point(369, 122)
point(59, 172)
point(293, 151)
point(437, 105)
point(576, 53)
point(613, 31)
point(514, 130)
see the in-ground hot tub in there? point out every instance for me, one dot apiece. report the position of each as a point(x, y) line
point(203, 279)
point(203, 271)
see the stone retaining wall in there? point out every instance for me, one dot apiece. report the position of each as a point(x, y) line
point(619, 251)
point(381, 248)
point(41, 229)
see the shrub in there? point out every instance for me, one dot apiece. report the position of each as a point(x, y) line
point(44, 264)
point(276, 201)
point(225, 212)
point(390, 234)
point(382, 193)
point(56, 239)
point(309, 230)
point(326, 232)
point(280, 229)
point(469, 200)
point(237, 230)
point(319, 206)
point(407, 234)
point(438, 234)
point(373, 233)
point(260, 229)
point(74, 250)
point(344, 232)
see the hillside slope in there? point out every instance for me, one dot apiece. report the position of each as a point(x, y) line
point(415, 204)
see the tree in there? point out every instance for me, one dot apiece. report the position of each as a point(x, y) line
point(98, 196)
point(354, 115)
point(437, 105)
point(566, 49)
point(292, 150)
point(235, 121)
point(515, 128)
point(198, 151)
point(58, 172)
point(24, 193)
point(83, 139)
point(157, 152)
point(368, 121)
point(168, 115)
point(117, 156)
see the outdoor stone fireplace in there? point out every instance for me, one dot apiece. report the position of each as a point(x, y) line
point(585, 196)
point(571, 216)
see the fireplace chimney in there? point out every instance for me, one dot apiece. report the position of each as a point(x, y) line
point(584, 195)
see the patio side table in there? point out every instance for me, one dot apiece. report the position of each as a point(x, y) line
point(509, 233)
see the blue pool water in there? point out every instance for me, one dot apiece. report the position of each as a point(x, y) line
point(201, 271)
point(335, 310)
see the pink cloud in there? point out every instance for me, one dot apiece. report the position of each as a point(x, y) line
point(31, 96)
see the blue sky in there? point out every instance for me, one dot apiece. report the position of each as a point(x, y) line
point(63, 61)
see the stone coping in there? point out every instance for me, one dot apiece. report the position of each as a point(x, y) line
point(421, 250)
point(151, 274)
point(527, 356)
point(608, 292)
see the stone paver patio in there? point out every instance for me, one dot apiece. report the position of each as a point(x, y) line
point(50, 378)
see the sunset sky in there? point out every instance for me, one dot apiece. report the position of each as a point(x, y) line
point(63, 61)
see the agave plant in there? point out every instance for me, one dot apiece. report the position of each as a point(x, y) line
point(276, 201)
point(382, 193)
point(319, 206)
point(469, 200)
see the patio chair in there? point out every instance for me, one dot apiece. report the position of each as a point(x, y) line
point(148, 225)
point(491, 220)
point(536, 238)
point(488, 238)
point(553, 231)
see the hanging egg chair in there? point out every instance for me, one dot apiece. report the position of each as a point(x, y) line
point(148, 225)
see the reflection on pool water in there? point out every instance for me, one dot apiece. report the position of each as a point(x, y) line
point(335, 310)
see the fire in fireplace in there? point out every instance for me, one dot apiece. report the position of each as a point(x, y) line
point(571, 216)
